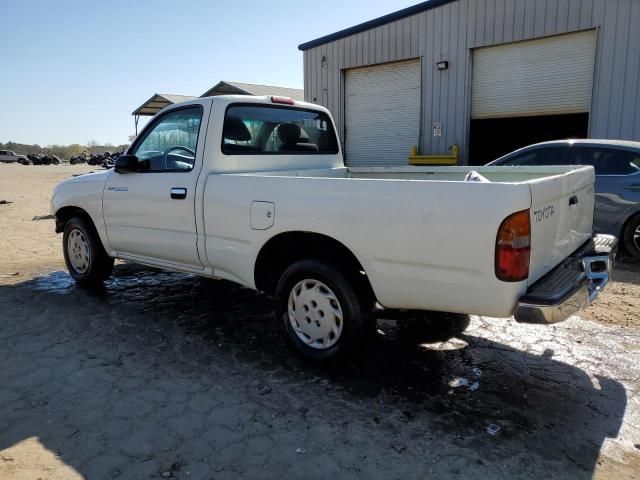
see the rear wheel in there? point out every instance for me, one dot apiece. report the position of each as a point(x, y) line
point(84, 255)
point(631, 237)
point(319, 311)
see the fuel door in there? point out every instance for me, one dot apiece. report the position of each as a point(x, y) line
point(262, 215)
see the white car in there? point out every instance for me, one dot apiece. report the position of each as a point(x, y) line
point(254, 190)
point(7, 156)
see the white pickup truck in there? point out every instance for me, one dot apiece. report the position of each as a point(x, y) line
point(254, 190)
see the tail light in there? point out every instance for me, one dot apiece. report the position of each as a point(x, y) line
point(513, 247)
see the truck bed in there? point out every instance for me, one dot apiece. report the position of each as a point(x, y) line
point(425, 237)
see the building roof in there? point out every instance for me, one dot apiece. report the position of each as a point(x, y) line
point(158, 101)
point(161, 100)
point(237, 88)
point(407, 12)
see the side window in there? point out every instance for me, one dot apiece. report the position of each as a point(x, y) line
point(608, 161)
point(272, 130)
point(170, 144)
point(541, 156)
point(2, 152)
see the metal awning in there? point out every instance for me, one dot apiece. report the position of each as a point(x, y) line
point(158, 101)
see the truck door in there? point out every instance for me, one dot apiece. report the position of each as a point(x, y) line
point(149, 213)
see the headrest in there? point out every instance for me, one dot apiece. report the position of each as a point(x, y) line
point(289, 133)
point(235, 129)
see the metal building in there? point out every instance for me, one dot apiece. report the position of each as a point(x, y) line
point(486, 75)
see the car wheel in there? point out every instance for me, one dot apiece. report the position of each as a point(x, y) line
point(23, 161)
point(631, 237)
point(319, 311)
point(84, 255)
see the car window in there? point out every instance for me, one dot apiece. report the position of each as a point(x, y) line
point(540, 156)
point(272, 130)
point(170, 143)
point(608, 161)
point(2, 152)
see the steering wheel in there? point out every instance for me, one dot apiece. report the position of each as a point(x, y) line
point(178, 147)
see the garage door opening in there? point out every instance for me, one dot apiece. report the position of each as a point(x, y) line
point(531, 91)
point(492, 138)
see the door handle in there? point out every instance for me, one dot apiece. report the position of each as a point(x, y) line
point(573, 200)
point(634, 187)
point(178, 193)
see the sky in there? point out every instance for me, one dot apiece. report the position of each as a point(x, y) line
point(73, 71)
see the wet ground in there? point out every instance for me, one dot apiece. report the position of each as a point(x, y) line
point(162, 375)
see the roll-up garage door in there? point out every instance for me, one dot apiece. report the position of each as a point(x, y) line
point(548, 76)
point(382, 113)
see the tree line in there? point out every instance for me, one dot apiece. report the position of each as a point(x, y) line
point(62, 151)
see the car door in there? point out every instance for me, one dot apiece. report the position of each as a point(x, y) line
point(149, 214)
point(617, 185)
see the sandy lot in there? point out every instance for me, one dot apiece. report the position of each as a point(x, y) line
point(164, 375)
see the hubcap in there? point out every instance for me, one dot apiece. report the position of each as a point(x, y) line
point(78, 251)
point(636, 238)
point(315, 314)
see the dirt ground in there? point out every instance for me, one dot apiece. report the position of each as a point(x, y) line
point(165, 375)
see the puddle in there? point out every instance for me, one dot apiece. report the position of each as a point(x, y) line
point(59, 283)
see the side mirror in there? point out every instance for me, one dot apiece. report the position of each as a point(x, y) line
point(126, 164)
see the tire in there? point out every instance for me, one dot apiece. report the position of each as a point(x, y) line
point(631, 237)
point(315, 299)
point(23, 161)
point(84, 255)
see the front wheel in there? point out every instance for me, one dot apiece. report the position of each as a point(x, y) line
point(319, 311)
point(84, 255)
point(631, 237)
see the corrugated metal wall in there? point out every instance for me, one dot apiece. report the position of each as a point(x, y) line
point(450, 32)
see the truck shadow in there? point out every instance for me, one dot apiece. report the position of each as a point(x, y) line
point(167, 326)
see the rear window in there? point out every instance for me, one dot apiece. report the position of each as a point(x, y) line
point(272, 130)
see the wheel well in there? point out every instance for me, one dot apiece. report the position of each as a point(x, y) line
point(287, 248)
point(66, 213)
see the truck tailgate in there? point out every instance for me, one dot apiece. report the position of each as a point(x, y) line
point(561, 218)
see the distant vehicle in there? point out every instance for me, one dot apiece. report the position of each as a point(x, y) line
point(43, 159)
point(617, 187)
point(7, 156)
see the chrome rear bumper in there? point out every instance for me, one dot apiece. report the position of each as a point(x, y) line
point(571, 286)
